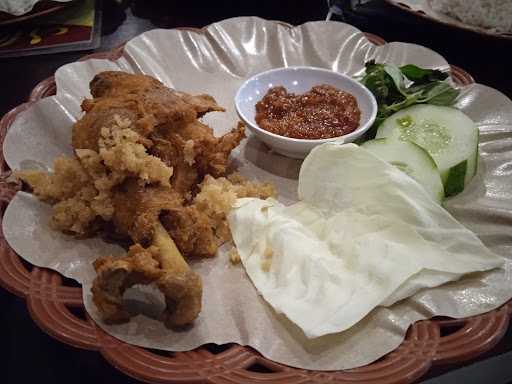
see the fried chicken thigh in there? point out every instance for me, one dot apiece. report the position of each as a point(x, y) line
point(146, 166)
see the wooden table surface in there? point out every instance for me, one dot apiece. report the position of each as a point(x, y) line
point(29, 355)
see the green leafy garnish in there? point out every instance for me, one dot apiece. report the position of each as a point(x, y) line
point(396, 88)
point(422, 75)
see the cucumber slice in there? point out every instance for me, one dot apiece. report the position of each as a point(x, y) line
point(447, 134)
point(455, 179)
point(413, 160)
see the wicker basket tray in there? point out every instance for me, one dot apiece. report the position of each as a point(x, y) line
point(50, 297)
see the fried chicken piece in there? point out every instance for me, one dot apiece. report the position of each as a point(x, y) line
point(78, 214)
point(137, 208)
point(116, 274)
point(86, 131)
point(193, 231)
point(215, 155)
point(69, 189)
point(165, 122)
point(141, 99)
point(122, 151)
point(194, 153)
point(200, 228)
point(67, 179)
point(146, 165)
point(179, 155)
point(181, 286)
point(162, 264)
point(115, 84)
point(82, 188)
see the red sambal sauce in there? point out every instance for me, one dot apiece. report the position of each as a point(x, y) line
point(321, 113)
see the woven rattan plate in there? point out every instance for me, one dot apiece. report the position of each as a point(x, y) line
point(52, 304)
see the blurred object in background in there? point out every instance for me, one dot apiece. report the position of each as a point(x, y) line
point(9, 14)
point(491, 17)
point(75, 27)
point(22, 7)
point(337, 7)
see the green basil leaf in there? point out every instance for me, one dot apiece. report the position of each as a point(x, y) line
point(448, 97)
point(439, 93)
point(371, 66)
point(422, 75)
point(377, 81)
point(397, 77)
point(388, 85)
point(377, 85)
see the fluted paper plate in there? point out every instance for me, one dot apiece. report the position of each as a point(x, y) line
point(216, 60)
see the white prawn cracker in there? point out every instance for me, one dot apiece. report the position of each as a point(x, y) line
point(364, 234)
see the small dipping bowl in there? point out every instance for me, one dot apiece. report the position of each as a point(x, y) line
point(299, 80)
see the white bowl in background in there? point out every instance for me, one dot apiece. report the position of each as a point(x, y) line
point(300, 80)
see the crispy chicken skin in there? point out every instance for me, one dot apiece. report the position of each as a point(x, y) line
point(145, 101)
point(137, 208)
point(116, 84)
point(146, 166)
point(194, 156)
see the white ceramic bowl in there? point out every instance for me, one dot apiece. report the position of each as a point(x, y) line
point(299, 80)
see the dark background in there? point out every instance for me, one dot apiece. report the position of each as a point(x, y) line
point(29, 355)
